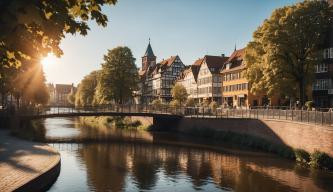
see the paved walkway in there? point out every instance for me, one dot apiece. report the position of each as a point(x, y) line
point(21, 161)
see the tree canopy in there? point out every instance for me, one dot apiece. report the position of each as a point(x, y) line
point(85, 94)
point(179, 93)
point(30, 29)
point(285, 48)
point(33, 28)
point(119, 76)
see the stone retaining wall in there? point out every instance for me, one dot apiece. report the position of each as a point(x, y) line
point(296, 135)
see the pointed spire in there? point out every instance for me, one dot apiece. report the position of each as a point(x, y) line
point(235, 47)
point(149, 51)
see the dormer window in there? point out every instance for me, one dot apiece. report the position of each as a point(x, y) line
point(228, 66)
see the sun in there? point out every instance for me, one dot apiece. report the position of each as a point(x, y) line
point(50, 59)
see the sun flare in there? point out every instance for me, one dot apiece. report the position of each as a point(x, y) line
point(50, 59)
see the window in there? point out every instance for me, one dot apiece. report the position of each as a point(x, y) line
point(321, 84)
point(321, 68)
point(326, 53)
point(228, 66)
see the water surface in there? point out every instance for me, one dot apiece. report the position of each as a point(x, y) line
point(118, 165)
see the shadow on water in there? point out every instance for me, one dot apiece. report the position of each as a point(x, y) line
point(132, 161)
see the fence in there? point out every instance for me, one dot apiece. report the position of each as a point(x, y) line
point(313, 117)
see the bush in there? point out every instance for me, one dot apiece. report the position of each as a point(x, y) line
point(190, 102)
point(157, 104)
point(213, 106)
point(309, 105)
point(321, 160)
point(175, 103)
point(302, 156)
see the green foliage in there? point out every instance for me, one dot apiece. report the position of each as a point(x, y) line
point(285, 48)
point(31, 130)
point(157, 104)
point(179, 93)
point(309, 105)
point(71, 98)
point(190, 102)
point(213, 105)
point(205, 103)
point(29, 86)
point(32, 29)
point(119, 76)
point(321, 160)
point(85, 93)
point(302, 156)
point(175, 104)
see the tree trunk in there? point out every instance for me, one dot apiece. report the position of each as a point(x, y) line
point(301, 91)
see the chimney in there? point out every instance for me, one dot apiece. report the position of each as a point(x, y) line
point(222, 55)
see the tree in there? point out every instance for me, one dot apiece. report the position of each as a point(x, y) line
point(213, 106)
point(179, 93)
point(29, 86)
point(119, 76)
point(30, 29)
point(71, 98)
point(86, 90)
point(285, 48)
point(190, 102)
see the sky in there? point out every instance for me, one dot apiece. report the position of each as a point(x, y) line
point(188, 28)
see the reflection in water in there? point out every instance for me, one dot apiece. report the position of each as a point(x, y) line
point(120, 166)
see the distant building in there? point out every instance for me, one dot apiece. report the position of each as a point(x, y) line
point(236, 89)
point(188, 79)
point(323, 83)
point(59, 93)
point(157, 79)
point(209, 79)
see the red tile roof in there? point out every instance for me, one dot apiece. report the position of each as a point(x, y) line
point(237, 55)
point(169, 61)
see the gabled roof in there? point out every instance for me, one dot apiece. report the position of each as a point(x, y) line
point(195, 67)
point(236, 61)
point(237, 55)
point(215, 63)
point(149, 51)
point(168, 62)
point(184, 73)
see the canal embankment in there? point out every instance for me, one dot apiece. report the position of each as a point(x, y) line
point(285, 138)
point(26, 165)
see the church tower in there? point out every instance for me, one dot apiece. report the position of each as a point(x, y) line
point(149, 59)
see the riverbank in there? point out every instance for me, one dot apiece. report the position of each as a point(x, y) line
point(135, 123)
point(308, 144)
point(25, 165)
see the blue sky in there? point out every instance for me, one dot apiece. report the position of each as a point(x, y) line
point(189, 28)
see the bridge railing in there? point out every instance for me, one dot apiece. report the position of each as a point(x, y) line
point(313, 117)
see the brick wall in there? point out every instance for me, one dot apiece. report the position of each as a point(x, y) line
point(295, 135)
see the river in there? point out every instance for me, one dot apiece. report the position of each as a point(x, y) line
point(142, 161)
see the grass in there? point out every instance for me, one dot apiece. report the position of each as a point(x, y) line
point(113, 122)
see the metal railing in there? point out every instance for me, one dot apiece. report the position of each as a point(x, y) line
point(311, 117)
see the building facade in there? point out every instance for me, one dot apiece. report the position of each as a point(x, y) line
point(188, 79)
point(59, 93)
point(157, 79)
point(209, 80)
point(322, 91)
point(236, 90)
